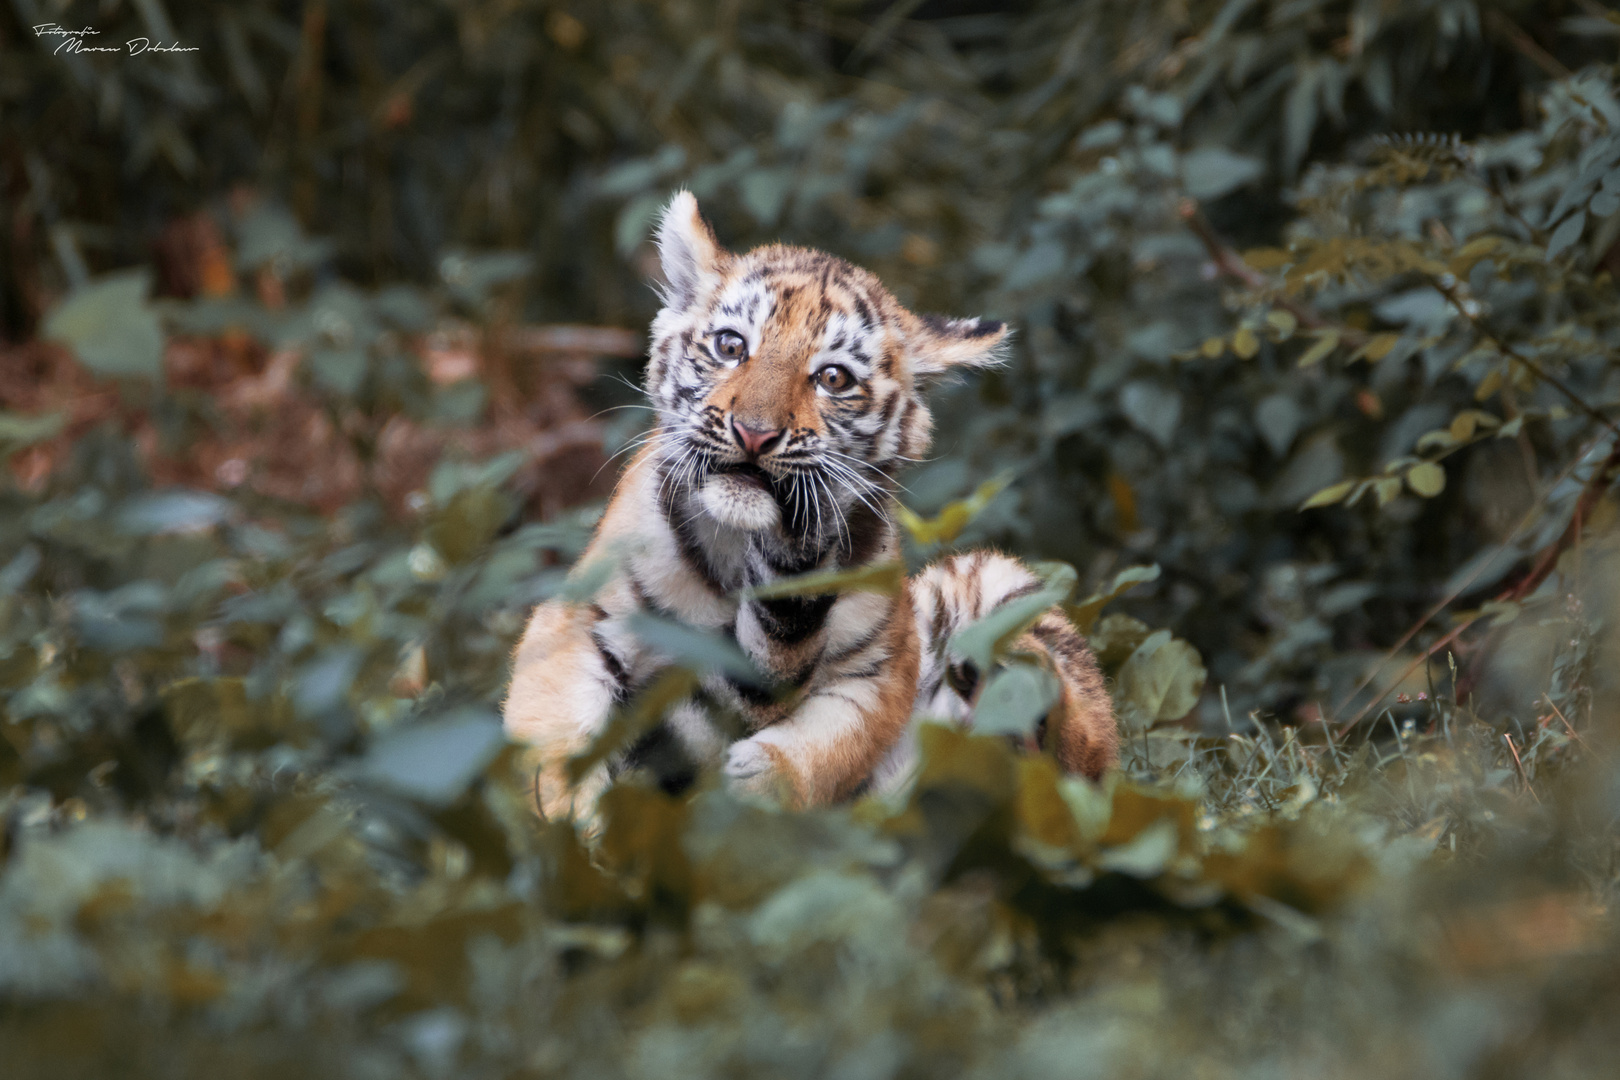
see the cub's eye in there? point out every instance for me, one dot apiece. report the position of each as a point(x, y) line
point(730, 345)
point(835, 377)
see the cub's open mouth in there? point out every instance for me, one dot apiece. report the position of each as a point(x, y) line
point(752, 475)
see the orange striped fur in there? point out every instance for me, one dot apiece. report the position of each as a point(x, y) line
point(787, 387)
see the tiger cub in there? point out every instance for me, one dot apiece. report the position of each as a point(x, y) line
point(786, 385)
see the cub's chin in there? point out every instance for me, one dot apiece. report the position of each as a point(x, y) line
point(740, 500)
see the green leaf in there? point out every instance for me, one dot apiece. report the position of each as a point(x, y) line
point(19, 430)
point(988, 638)
point(1084, 613)
point(1161, 681)
point(1329, 495)
point(434, 762)
point(635, 719)
point(1325, 344)
point(948, 524)
point(110, 327)
point(1214, 171)
point(1014, 700)
point(883, 577)
point(701, 651)
point(1566, 235)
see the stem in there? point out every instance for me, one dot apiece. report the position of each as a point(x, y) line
point(1450, 293)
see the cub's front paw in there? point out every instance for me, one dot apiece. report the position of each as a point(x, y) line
point(753, 768)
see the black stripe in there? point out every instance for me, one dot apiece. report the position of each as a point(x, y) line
point(864, 534)
point(792, 619)
point(870, 671)
point(936, 630)
point(615, 669)
point(1061, 640)
point(751, 693)
point(661, 753)
point(686, 543)
point(866, 641)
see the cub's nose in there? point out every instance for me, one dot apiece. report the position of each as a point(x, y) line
point(754, 440)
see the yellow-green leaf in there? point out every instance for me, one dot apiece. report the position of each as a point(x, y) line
point(1267, 258)
point(1378, 347)
point(1245, 343)
point(949, 522)
point(1325, 344)
point(1329, 495)
point(1084, 613)
point(1213, 347)
point(1282, 323)
point(884, 577)
point(1426, 479)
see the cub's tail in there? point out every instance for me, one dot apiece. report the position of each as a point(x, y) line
point(954, 592)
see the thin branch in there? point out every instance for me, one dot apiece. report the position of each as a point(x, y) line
point(1231, 264)
point(1596, 486)
point(1526, 45)
point(1508, 738)
point(1580, 403)
point(1543, 567)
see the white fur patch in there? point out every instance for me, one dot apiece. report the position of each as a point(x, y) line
point(739, 502)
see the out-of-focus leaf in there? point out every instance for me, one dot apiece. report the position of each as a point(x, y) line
point(173, 512)
point(949, 522)
point(1320, 349)
point(18, 431)
point(1084, 613)
point(1426, 479)
point(1567, 235)
point(434, 761)
point(636, 718)
point(1329, 495)
point(472, 276)
point(1212, 172)
point(699, 650)
point(1153, 408)
point(1279, 418)
point(110, 327)
point(1014, 700)
point(883, 578)
point(985, 639)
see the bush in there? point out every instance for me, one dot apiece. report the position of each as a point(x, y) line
point(317, 348)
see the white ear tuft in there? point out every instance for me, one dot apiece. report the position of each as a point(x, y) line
point(687, 250)
point(939, 344)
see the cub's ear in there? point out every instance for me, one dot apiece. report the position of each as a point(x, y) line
point(939, 344)
point(687, 250)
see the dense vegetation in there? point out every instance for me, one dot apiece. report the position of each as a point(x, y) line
point(315, 347)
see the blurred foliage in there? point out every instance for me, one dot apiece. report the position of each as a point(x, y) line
point(314, 352)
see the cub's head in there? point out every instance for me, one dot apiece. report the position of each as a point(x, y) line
point(787, 381)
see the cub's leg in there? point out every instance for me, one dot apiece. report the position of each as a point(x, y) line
point(854, 711)
point(565, 684)
point(958, 590)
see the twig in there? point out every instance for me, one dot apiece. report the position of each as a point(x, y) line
point(1508, 737)
point(1596, 486)
point(1567, 725)
point(1413, 630)
point(1518, 38)
point(1450, 293)
point(1231, 264)
point(1545, 563)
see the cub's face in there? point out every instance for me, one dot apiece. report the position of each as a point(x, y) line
point(787, 380)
